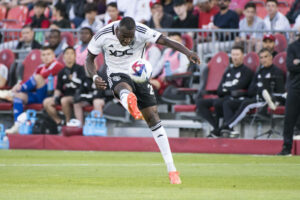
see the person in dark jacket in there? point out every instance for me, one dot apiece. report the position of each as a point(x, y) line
point(237, 77)
point(61, 17)
point(268, 78)
point(292, 106)
point(38, 20)
point(68, 80)
point(159, 19)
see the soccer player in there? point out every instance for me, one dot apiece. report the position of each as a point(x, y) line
point(123, 42)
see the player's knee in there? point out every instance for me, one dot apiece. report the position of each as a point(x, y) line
point(66, 101)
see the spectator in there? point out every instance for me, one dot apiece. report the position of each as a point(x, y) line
point(264, 79)
point(60, 15)
point(159, 19)
point(85, 35)
point(205, 16)
point(33, 90)
point(75, 11)
point(38, 20)
point(183, 18)
point(25, 45)
point(69, 79)
point(238, 6)
point(236, 78)
point(113, 12)
point(275, 20)
point(291, 105)
point(90, 20)
point(226, 19)
point(56, 43)
point(178, 63)
point(3, 75)
point(152, 54)
point(251, 23)
point(269, 43)
point(168, 7)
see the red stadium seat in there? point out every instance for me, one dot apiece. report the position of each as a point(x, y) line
point(251, 60)
point(31, 62)
point(18, 13)
point(188, 41)
point(7, 57)
point(280, 43)
point(10, 35)
point(280, 61)
point(5, 106)
point(68, 37)
point(283, 7)
point(35, 106)
point(261, 10)
point(216, 68)
point(3, 12)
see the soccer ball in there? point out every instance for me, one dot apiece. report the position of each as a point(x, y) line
point(140, 71)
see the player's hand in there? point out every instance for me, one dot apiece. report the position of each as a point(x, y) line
point(100, 83)
point(193, 57)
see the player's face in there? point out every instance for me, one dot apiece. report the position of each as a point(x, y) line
point(70, 57)
point(266, 59)
point(269, 44)
point(125, 36)
point(47, 56)
point(237, 57)
point(85, 36)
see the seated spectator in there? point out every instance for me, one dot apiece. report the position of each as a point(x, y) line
point(159, 19)
point(33, 90)
point(226, 19)
point(113, 12)
point(205, 17)
point(88, 95)
point(60, 16)
point(75, 11)
point(268, 78)
point(168, 7)
point(183, 18)
point(276, 21)
point(90, 20)
point(3, 75)
point(69, 79)
point(26, 44)
point(236, 78)
point(178, 63)
point(152, 54)
point(85, 35)
point(238, 6)
point(269, 43)
point(38, 20)
point(56, 43)
point(251, 23)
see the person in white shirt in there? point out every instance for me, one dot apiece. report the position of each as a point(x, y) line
point(3, 75)
point(122, 43)
point(90, 20)
point(275, 21)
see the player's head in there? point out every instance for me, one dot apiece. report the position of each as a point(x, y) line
point(272, 7)
point(237, 55)
point(54, 38)
point(85, 35)
point(69, 56)
point(125, 31)
point(250, 11)
point(175, 36)
point(265, 57)
point(27, 34)
point(47, 55)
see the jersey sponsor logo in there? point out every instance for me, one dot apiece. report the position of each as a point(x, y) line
point(116, 53)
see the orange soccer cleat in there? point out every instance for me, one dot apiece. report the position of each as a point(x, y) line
point(133, 108)
point(174, 177)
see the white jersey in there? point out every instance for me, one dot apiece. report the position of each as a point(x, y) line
point(117, 57)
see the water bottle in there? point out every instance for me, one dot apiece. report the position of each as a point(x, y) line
point(4, 143)
point(168, 70)
point(50, 85)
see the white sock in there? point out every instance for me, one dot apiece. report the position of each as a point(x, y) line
point(123, 98)
point(161, 139)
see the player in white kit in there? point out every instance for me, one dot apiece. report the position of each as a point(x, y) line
point(123, 42)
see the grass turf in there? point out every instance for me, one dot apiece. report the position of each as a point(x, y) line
point(63, 175)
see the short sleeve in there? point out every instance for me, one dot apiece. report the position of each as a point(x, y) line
point(95, 45)
point(3, 71)
point(147, 33)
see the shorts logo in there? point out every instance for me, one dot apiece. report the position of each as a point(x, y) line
point(116, 78)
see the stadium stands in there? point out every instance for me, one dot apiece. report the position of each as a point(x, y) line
point(7, 57)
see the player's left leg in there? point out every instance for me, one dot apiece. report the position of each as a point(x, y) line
point(159, 133)
point(67, 105)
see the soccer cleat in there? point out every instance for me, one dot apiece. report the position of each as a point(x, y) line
point(174, 177)
point(13, 129)
point(268, 99)
point(132, 107)
point(285, 152)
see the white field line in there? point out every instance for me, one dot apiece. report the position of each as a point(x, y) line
point(141, 164)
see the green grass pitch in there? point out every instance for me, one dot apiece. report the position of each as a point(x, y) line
point(63, 175)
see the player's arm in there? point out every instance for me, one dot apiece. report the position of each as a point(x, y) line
point(91, 70)
point(192, 56)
